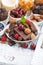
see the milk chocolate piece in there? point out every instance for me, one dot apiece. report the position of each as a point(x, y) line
point(21, 33)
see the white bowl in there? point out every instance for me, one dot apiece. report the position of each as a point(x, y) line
point(17, 19)
point(10, 4)
point(14, 19)
point(27, 40)
point(38, 23)
point(7, 19)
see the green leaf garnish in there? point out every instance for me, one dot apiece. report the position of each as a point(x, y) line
point(23, 21)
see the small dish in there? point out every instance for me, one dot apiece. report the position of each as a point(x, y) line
point(36, 18)
point(16, 14)
point(4, 15)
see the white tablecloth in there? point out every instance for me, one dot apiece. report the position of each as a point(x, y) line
point(22, 56)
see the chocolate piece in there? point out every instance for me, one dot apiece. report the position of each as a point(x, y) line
point(21, 33)
point(33, 28)
point(11, 43)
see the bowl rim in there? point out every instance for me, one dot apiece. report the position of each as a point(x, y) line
point(16, 3)
point(27, 40)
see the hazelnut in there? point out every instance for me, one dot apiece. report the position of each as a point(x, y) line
point(37, 18)
point(27, 31)
point(20, 38)
point(32, 17)
point(41, 16)
point(7, 30)
point(32, 36)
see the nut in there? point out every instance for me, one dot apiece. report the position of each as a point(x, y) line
point(27, 31)
point(7, 30)
point(32, 36)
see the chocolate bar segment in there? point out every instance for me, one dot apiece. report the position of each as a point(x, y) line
point(21, 33)
point(33, 28)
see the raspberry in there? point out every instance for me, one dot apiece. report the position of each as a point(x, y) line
point(21, 27)
point(3, 38)
point(28, 22)
point(16, 36)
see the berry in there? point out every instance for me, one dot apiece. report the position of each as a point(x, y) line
point(33, 46)
point(3, 38)
point(28, 22)
point(24, 45)
point(18, 12)
point(21, 27)
point(16, 36)
point(13, 11)
point(24, 12)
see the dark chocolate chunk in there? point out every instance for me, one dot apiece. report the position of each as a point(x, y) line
point(33, 28)
point(11, 43)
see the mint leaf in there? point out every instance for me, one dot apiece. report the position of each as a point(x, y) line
point(23, 21)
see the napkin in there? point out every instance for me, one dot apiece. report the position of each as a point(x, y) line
point(38, 55)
